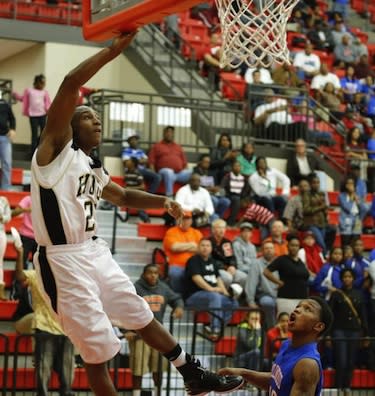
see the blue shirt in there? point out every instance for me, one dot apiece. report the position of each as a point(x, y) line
point(129, 152)
point(282, 367)
point(359, 265)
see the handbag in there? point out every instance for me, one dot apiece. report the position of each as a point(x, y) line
point(351, 306)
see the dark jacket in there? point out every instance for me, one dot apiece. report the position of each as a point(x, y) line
point(7, 119)
point(292, 169)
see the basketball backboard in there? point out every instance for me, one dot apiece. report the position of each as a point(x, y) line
point(104, 19)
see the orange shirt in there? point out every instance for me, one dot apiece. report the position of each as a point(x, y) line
point(281, 248)
point(175, 235)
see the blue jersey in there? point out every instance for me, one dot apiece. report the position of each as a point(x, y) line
point(282, 368)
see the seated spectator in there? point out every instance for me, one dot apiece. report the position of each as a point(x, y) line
point(196, 199)
point(260, 215)
point(363, 69)
point(276, 335)
point(315, 205)
point(236, 189)
point(285, 75)
point(254, 93)
point(360, 48)
point(356, 151)
point(352, 212)
point(259, 291)
point(53, 350)
point(293, 277)
point(371, 167)
point(222, 253)
point(360, 186)
point(84, 94)
point(211, 61)
point(247, 159)
point(275, 117)
point(249, 342)
point(206, 290)
point(341, 6)
point(262, 77)
point(169, 160)
point(264, 182)
point(205, 12)
point(133, 179)
point(299, 164)
point(345, 52)
point(350, 322)
point(293, 212)
point(222, 157)
point(26, 229)
point(339, 31)
point(331, 100)
point(220, 202)
point(320, 36)
point(244, 251)
point(180, 243)
point(311, 254)
point(328, 278)
point(325, 76)
point(358, 263)
point(276, 237)
point(307, 63)
point(152, 178)
point(144, 359)
point(350, 84)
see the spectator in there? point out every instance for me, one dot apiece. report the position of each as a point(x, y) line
point(276, 237)
point(356, 151)
point(7, 135)
point(249, 342)
point(143, 358)
point(320, 36)
point(84, 95)
point(299, 164)
point(314, 203)
point(285, 75)
point(325, 76)
point(350, 84)
point(168, 159)
point(259, 291)
point(222, 156)
point(259, 214)
point(360, 185)
point(293, 212)
point(352, 212)
point(134, 179)
point(371, 167)
point(276, 335)
point(350, 320)
point(345, 53)
point(311, 254)
point(244, 251)
point(307, 63)
point(264, 182)
point(363, 69)
point(293, 277)
point(328, 278)
point(371, 270)
point(220, 202)
point(247, 159)
point(26, 229)
point(206, 290)
point(211, 61)
point(359, 48)
point(236, 189)
point(36, 102)
point(252, 74)
point(341, 6)
point(180, 243)
point(254, 92)
point(331, 100)
point(53, 350)
point(196, 199)
point(359, 264)
point(152, 178)
point(339, 31)
point(5, 215)
point(222, 253)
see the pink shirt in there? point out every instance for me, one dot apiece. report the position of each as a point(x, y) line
point(26, 228)
point(36, 102)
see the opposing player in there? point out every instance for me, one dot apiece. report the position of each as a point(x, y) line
point(297, 370)
point(83, 284)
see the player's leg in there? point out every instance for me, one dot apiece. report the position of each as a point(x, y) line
point(99, 379)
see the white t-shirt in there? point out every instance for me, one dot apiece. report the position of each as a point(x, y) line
point(319, 81)
point(265, 75)
point(308, 63)
point(281, 117)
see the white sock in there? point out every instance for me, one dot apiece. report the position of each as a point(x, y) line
point(181, 359)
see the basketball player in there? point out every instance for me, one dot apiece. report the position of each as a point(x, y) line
point(297, 370)
point(83, 284)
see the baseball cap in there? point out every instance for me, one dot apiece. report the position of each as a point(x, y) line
point(246, 224)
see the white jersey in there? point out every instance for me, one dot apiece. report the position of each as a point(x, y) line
point(64, 197)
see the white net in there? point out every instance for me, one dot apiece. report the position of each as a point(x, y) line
point(254, 31)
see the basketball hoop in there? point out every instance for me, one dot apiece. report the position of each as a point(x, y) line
point(254, 31)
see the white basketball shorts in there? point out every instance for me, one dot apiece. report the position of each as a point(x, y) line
point(89, 293)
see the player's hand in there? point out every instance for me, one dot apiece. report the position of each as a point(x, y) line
point(174, 209)
point(123, 41)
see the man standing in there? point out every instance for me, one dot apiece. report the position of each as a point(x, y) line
point(169, 160)
point(258, 289)
point(7, 134)
point(244, 251)
point(297, 369)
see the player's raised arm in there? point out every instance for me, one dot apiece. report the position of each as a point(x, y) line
point(58, 130)
point(306, 376)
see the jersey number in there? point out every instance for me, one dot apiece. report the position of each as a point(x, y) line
point(89, 210)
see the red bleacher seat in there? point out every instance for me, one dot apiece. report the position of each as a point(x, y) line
point(17, 176)
point(14, 222)
point(194, 27)
point(367, 239)
point(290, 36)
point(233, 86)
point(8, 277)
point(7, 309)
point(150, 212)
point(49, 13)
point(226, 346)
point(14, 197)
point(26, 11)
point(6, 9)
point(153, 232)
point(371, 52)
point(360, 34)
point(194, 47)
point(325, 57)
point(24, 344)
point(361, 379)
point(10, 252)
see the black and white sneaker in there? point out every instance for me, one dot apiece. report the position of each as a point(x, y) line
point(202, 381)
